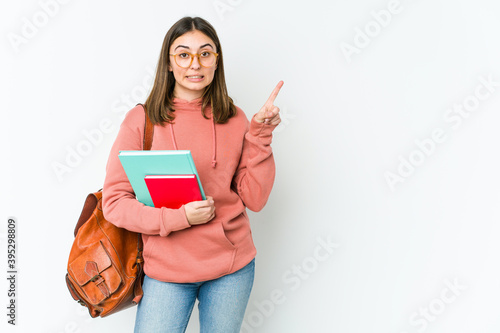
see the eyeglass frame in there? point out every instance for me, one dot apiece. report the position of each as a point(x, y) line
point(192, 57)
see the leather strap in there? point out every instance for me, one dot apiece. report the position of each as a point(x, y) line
point(146, 145)
point(138, 293)
point(148, 131)
point(93, 272)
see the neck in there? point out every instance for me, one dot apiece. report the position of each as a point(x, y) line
point(187, 95)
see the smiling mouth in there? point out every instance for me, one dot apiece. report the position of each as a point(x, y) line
point(195, 77)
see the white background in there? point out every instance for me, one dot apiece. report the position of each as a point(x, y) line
point(348, 120)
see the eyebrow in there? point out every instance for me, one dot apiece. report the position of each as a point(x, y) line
point(187, 47)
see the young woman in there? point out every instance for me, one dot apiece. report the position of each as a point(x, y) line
point(203, 250)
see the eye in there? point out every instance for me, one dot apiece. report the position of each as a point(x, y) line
point(184, 55)
point(205, 54)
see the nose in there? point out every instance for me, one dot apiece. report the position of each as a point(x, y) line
point(195, 63)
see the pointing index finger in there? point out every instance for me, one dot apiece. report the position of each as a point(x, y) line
point(275, 92)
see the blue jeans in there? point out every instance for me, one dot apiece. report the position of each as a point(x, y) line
point(166, 307)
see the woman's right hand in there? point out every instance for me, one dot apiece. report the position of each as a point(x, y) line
point(199, 212)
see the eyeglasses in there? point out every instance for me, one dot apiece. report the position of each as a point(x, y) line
point(205, 58)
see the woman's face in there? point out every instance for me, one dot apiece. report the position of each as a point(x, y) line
point(190, 82)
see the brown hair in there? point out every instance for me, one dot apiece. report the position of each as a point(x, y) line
point(159, 104)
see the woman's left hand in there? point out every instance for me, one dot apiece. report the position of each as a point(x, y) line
point(269, 113)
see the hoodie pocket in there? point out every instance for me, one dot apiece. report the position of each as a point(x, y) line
point(223, 237)
point(148, 245)
point(199, 253)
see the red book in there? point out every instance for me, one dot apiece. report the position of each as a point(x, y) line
point(173, 191)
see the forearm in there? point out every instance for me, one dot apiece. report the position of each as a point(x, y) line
point(255, 176)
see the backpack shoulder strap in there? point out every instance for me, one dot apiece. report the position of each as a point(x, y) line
point(148, 131)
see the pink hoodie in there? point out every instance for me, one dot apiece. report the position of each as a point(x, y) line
point(236, 167)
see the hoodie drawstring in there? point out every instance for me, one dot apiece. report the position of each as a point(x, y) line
point(214, 160)
point(172, 135)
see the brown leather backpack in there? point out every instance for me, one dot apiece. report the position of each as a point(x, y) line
point(105, 263)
